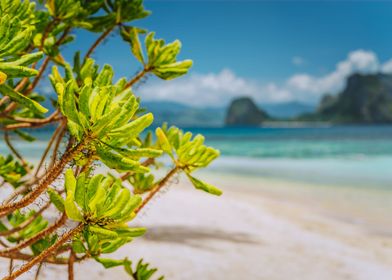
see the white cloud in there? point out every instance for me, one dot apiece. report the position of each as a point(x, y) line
point(210, 89)
point(387, 67)
point(216, 89)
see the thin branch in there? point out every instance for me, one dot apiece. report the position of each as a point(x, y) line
point(27, 257)
point(57, 145)
point(49, 177)
point(97, 42)
point(71, 261)
point(11, 266)
point(26, 267)
point(35, 238)
point(137, 78)
point(15, 152)
point(157, 188)
point(56, 132)
point(26, 223)
point(38, 270)
point(35, 120)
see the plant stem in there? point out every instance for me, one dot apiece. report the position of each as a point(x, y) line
point(157, 188)
point(138, 76)
point(49, 177)
point(38, 270)
point(56, 132)
point(71, 261)
point(97, 42)
point(15, 152)
point(11, 266)
point(57, 145)
point(36, 237)
point(41, 257)
point(26, 223)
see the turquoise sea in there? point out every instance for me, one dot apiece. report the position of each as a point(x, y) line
point(359, 156)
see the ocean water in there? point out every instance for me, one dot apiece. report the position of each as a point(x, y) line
point(359, 156)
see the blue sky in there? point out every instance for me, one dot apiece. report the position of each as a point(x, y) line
point(274, 51)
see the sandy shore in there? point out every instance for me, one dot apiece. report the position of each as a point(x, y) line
point(256, 230)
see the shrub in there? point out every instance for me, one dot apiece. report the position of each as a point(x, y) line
point(99, 121)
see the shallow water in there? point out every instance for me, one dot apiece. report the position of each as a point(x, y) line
point(342, 155)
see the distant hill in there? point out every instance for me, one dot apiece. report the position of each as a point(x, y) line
point(244, 112)
point(365, 99)
point(287, 110)
point(184, 115)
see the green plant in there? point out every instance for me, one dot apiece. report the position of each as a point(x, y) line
point(98, 119)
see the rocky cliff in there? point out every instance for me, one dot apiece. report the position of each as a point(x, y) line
point(244, 112)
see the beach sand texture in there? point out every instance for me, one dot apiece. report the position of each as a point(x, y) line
point(254, 232)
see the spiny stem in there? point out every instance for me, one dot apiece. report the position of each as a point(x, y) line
point(41, 257)
point(26, 223)
point(50, 176)
point(27, 257)
point(157, 188)
point(36, 237)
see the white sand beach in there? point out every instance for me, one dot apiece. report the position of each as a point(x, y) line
point(259, 231)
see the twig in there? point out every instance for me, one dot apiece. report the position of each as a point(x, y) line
point(36, 237)
point(138, 76)
point(26, 223)
point(157, 188)
point(15, 152)
point(97, 42)
point(57, 145)
point(71, 261)
point(56, 132)
point(26, 267)
point(38, 270)
point(11, 266)
point(49, 177)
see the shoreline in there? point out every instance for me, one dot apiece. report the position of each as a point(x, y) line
point(265, 230)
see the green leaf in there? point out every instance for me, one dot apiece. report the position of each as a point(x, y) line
point(131, 34)
point(163, 142)
point(23, 100)
point(24, 135)
point(68, 105)
point(108, 263)
point(204, 186)
point(71, 209)
point(56, 199)
point(102, 232)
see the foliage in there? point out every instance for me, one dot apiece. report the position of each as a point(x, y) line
point(97, 120)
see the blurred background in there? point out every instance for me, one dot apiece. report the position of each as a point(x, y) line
point(297, 95)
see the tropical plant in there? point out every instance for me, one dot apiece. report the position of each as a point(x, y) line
point(94, 120)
